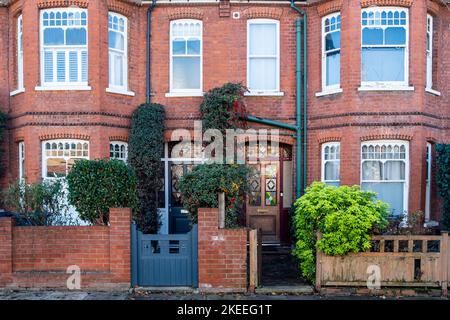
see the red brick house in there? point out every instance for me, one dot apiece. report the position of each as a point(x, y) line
point(377, 78)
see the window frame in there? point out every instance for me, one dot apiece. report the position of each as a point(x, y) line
point(111, 86)
point(406, 161)
point(275, 91)
point(387, 84)
point(325, 87)
point(429, 52)
point(21, 149)
point(186, 92)
point(119, 143)
point(44, 156)
point(428, 180)
point(66, 85)
point(20, 83)
point(323, 161)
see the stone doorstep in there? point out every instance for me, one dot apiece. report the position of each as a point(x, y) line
point(186, 290)
point(290, 290)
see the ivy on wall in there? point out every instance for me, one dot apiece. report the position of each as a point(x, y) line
point(443, 180)
point(146, 148)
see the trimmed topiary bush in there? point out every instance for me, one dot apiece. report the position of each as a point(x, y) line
point(200, 188)
point(346, 217)
point(145, 150)
point(97, 185)
point(443, 180)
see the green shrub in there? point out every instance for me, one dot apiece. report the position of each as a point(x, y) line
point(443, 180)
point(38, 204)
point(344, 215)
point(146, 148)
point(200, 188)
point(97, 185)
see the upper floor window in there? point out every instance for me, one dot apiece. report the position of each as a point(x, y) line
point(331, 51)
point(263, 55)
point(118, 150)
point(429, 51)
point(384, 55)
point(384, 170)
point(64, 53)
point(19, 53)
point(186, 56)
point(118, 51)
point(59, 156)
point(331, 163)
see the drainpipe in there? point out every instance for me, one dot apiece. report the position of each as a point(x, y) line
point(147, 71)
point(300, 126)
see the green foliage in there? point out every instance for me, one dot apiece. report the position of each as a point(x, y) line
point(146, 148)
point(200, 188)
point(222, 106)
point(97, 185)
point(345, 216)
point(38, 204)
point(3, 118)
point(443, 180)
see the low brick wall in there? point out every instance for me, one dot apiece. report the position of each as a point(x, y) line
point(222, 255)
point(38, 257)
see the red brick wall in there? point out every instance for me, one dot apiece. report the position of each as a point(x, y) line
point(222, 255)
point(39, 256)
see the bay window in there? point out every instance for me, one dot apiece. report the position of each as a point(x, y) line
point(64, 53)
point(331, 163)
point(331, 51)
point(59, 156)
point(384, 53)
point(385, 170)
point(186, 56)
point(117, 51)
point(263, 56)
point(118, 150)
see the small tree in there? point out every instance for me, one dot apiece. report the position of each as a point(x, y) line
point(443, 180)
point(344, 215)
point(97, 185)
point(200, 188)
point(146, 148)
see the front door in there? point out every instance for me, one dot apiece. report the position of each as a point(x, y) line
point(263, 209)
point(179, 222)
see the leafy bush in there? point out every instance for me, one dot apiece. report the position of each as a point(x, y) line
point(222, 107)
point(3, 118)
point(344, 215)
point(443, 180)
point(146, 148)
point(200, 188)
point(38, 204)
point(97, 185)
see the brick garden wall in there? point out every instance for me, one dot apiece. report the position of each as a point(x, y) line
point(222, 255)
point(38, 257)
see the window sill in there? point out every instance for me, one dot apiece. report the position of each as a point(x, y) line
point(264, 94)
point(328, 92)
point(118, 91)
point(63, 88)
point(435, 92)
point(183, 94)
point(16, 92)
point(386, 88)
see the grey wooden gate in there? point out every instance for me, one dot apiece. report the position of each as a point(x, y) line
point(164, 259)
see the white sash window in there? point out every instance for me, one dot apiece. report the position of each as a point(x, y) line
point(331, 163)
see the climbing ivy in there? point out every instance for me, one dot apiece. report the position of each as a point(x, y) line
point(146, 148)
point(443, 180)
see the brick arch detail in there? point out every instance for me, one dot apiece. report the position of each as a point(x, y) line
point(54, 136)
point(329, 139)
point(395, 136)
point(329, 7)
point(394, 3)
point(433, 7)
point(118, 138)
point(268, 12)
point(185, 13)
point(44, 4)
point(121, 7)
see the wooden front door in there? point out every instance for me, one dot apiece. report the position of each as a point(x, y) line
point(263, 209)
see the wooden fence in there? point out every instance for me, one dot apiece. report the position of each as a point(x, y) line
point(255, 259)
point(403, 261)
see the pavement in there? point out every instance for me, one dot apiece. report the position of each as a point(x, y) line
point(146, 295)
